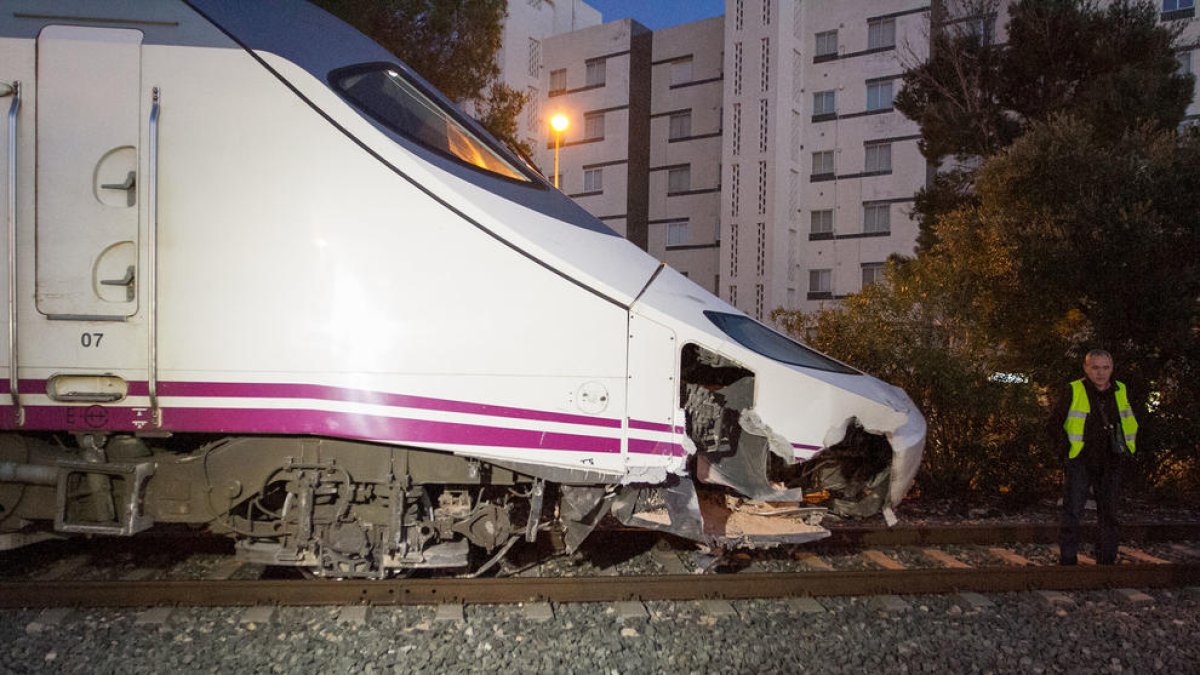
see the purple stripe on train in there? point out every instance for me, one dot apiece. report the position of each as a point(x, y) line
point(308, 422)
point(330, 393)
point(325, 392)
point(643, 447)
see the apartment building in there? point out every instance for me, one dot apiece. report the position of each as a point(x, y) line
point(529, 24)
point(599, 79)
point(759, 153)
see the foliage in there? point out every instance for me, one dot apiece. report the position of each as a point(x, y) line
point(1075, 241)
point(451, 43)
point(499, 111)
point(1112, 67)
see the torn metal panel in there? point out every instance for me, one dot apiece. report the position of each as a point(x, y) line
point(672, 507)
point(582, 507)
point(777, 444)
point(744, 469)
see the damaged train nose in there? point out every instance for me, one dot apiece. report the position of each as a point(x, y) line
point(748, 485)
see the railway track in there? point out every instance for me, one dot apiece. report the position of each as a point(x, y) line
point(854, 562)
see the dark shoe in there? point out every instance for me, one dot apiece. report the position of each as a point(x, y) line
point(1106, 562)
point(1068, 562)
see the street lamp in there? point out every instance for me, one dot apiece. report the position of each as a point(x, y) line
point(559, 124)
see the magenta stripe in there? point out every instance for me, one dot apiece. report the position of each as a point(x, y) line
point(330, 393)
point(314, 422)
point(802, 446)
point(324, 392)
point(650, 426)
point(644, 447)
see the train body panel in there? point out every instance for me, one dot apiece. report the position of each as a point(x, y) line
point(228, 244)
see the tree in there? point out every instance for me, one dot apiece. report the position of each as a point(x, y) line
point(499, 111)
point(1113, 67)
point(1074, 240)
point(451, 43)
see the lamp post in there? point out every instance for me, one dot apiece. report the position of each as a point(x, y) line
point(559, 124)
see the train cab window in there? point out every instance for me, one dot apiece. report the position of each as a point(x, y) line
point(390, 98)
point(757, 337)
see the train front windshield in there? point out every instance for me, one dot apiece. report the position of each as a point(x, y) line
point(757, 337)
point(390, 98)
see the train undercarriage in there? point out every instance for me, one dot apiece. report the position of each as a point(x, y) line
point(340, 508)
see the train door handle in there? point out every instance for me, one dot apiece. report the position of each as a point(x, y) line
point(126, 281)
point(130, 182)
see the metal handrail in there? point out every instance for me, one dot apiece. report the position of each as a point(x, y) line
point(13, 382)
point(152, 263)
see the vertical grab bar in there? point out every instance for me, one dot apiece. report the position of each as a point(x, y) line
point(152, 263)
point(13, 382)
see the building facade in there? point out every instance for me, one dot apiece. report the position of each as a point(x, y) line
point(528, 25)
point(759, 153)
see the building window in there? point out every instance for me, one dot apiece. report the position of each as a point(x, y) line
point(681, 71)
point(982, 27)
point(737, 128)
point(595, 73)
point(737, 69)
point(820, 284)
point(872, 273)
point(593, 126)
point(677, 233)
point(822, 223)
point(877, 218)
point(558, 81)
point(762, 187)
point(680, 125)
point(764, 109)
point(879, 158)
point(879, 95)
point(881, 33)
point(765, 71)
point(762, 250)
point(827, 44)
point(593, 180)
point(733, 252)
point(679, 179)
point(1176, 5)
point(535, 58)
point(824, 103)
point(1185, 61)
point(735, 191)
point(822, 164)
point(532, 118)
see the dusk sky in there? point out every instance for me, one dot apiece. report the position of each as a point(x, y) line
point(656, 14)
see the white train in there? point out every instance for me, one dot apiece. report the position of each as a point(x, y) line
point(261, 277)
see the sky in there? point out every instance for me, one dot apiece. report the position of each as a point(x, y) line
point(657, 14)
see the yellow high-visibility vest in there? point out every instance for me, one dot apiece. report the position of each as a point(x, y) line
point(1080, 408)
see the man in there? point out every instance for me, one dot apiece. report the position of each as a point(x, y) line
point(1101, 432)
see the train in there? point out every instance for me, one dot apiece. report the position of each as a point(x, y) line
point(263, 279)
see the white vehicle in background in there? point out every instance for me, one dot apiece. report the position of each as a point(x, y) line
point(261, 276)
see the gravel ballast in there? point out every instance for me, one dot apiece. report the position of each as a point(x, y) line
point(1022, 633)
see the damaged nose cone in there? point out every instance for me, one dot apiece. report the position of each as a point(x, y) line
point(749, 486)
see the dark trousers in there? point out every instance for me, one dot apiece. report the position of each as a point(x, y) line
point(1104, 480)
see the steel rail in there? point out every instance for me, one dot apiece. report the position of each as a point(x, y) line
point(999, 533)
point(308, 592)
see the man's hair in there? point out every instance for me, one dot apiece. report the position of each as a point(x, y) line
point(1095, 353)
